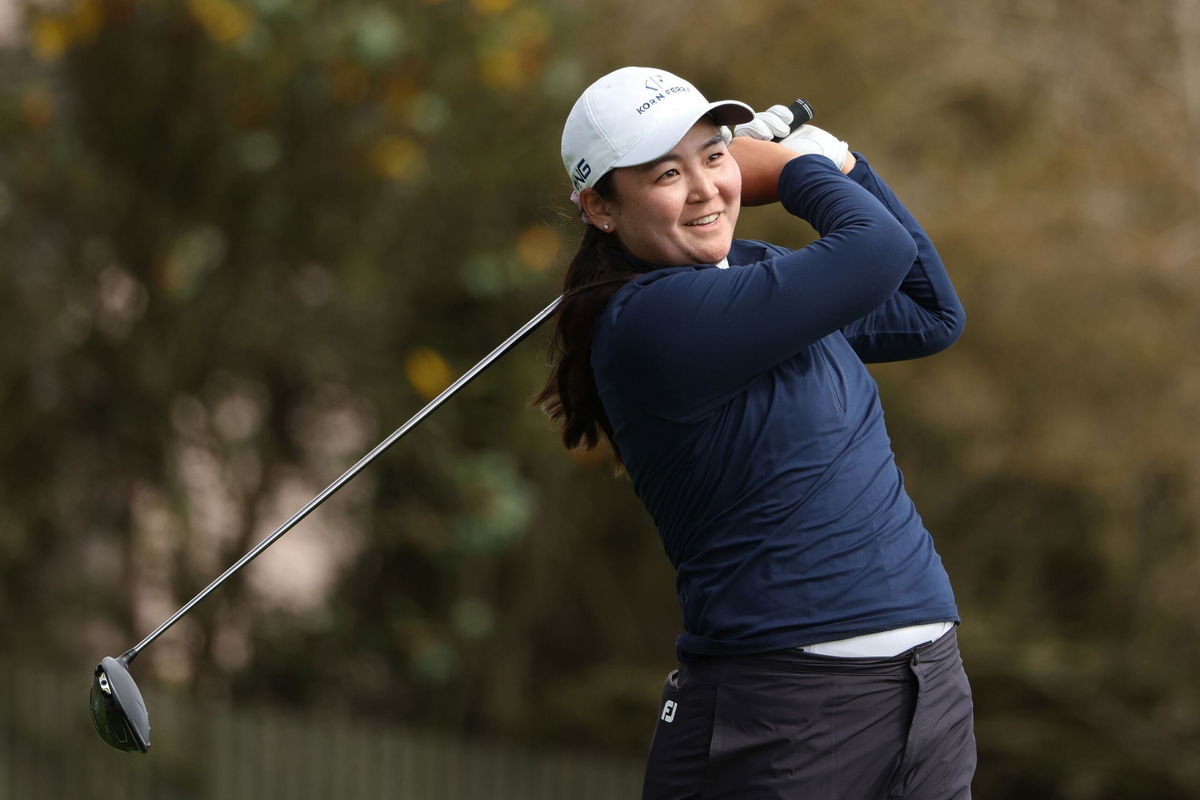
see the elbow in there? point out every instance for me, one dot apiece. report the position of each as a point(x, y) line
point(951, 323)
point(960, 323)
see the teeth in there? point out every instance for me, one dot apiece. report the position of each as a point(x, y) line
point(705, 220)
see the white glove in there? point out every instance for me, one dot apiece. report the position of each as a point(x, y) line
point(771, 124)
point(811, 140)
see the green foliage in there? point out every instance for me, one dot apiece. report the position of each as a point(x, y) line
point(242, 241)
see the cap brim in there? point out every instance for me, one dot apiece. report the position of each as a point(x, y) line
point(660, 140)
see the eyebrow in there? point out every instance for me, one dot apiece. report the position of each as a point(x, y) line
point(649, 165)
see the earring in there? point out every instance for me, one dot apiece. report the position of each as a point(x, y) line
point(606, 226)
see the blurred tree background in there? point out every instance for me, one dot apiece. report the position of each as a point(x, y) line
point(243, 240)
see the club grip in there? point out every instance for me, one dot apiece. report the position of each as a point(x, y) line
point(802, 112)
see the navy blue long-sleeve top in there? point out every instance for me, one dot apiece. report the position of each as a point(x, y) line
point(753, 433)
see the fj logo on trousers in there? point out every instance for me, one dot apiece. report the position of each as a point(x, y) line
point(668, 712)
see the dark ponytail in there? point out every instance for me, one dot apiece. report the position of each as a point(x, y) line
point(598, 269)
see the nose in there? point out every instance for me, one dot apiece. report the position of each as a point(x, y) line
point(702, 187)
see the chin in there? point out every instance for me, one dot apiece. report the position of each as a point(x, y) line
point(711, 255)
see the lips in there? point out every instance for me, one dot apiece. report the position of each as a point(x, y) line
point(705, 220)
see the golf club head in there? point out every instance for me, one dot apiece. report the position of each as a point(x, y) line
point(118, 711)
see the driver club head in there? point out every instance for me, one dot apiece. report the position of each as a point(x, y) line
point(118, 711)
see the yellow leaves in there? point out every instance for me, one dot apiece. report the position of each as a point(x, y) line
point(501, 68)
point(400, 158)
point(85, 19)
point(53, 34)
point(427, 371)
point(515, 56)
point(225, 22)
point(530, 27)
point(537, 247)
point(50, 38)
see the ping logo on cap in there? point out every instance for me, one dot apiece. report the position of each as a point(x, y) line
point(581, 172)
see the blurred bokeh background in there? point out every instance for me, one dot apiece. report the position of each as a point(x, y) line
point(243, 240)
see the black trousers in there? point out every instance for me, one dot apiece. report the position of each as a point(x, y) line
point(802, 726)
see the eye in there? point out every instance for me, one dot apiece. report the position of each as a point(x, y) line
point(715, 156)
point(671, 173)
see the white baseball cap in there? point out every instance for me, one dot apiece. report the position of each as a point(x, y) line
point(632, 116)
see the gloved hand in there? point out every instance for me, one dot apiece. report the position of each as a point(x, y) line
point(809, 140)
point(773, 123)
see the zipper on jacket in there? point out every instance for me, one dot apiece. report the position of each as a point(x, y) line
point(831, 377)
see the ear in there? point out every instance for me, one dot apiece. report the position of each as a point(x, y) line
point(600, 211)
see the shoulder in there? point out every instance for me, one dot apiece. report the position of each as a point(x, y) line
point(648, 285)
point(672, 283)
point(638, 309)
point(651, 297)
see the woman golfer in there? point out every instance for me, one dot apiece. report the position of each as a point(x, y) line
point(819, 657)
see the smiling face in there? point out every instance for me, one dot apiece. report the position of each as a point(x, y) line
point(679, 209)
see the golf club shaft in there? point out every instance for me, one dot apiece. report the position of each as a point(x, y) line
point(509, 343)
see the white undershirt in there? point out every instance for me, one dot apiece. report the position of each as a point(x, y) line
point(883, 644)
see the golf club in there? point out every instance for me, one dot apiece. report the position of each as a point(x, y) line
point(118, 710)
